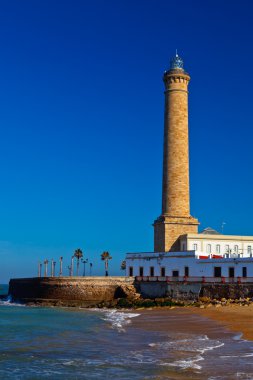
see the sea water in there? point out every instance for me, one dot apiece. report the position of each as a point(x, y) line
point(68, 343)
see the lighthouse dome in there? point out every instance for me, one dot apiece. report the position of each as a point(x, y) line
point(176, 63)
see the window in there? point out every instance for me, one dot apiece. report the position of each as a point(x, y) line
point(218, 248)
point(186, 271)
point(175, 273)
point(244, 271)
point(231, 272)
point(163, 272)
point(195, 247)
point(227, 248)
point(236, 248)
point(141, 271)
point(130, 271)
point(208, 248)
point(249, 249)
point(151, 271)
point(217, 271)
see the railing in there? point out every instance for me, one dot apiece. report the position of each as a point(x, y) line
point(203, 279)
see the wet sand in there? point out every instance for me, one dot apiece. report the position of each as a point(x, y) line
point(237, 318)
point(197, 343)
point(180, 319)
point(234, 318)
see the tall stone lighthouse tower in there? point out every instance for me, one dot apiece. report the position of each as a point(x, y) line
point(175, 219)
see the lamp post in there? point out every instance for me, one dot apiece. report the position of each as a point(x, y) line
point(60, 273)
point(46, 264)
point(84, 261)
point(39, 269)
point(52, 267)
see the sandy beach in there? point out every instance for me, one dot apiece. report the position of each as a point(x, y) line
point(235, 317)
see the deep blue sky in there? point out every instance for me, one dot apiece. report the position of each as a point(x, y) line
point(81, 121)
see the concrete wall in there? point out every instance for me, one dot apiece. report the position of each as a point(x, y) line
point(181, 291)
point(83, 290)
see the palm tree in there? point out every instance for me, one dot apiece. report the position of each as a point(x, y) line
point(123, 266)
point(78, 254)
point(105, 256)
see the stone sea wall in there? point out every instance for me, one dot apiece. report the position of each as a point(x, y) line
point(71, 291)
point(113, 291)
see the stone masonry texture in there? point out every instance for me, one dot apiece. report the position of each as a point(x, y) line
point(175, 219)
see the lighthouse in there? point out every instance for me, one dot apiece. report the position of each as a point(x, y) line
point(175, 219)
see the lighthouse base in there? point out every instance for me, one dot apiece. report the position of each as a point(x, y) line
point(168, 229)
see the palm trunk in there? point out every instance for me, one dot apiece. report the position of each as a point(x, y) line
point(77, 267)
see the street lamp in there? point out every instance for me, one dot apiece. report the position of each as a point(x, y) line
point(39, 269)
point(60, 273)
point(46, 263)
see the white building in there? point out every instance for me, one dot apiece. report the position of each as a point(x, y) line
point(211, 242)
point(179, 266)
point(208, 254)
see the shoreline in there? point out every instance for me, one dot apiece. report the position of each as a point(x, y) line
point(236, 318)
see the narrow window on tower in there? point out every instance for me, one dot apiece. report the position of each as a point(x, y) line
point(218, 248)
point(249, 249)
point(236, 248)
point(208, 248)
point(195, 247)
point(151, 272)
point(141, 271)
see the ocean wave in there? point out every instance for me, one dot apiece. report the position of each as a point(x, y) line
point(8, 302)
point(187, 363)
point(117, 319)
point(199, 344)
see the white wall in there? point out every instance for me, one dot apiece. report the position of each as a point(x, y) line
point(225, 245)
point(197, 267)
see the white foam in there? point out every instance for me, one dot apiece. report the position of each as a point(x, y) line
point(188, 363)
point(8, 302)
point(117, 319)
point(199, 344)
